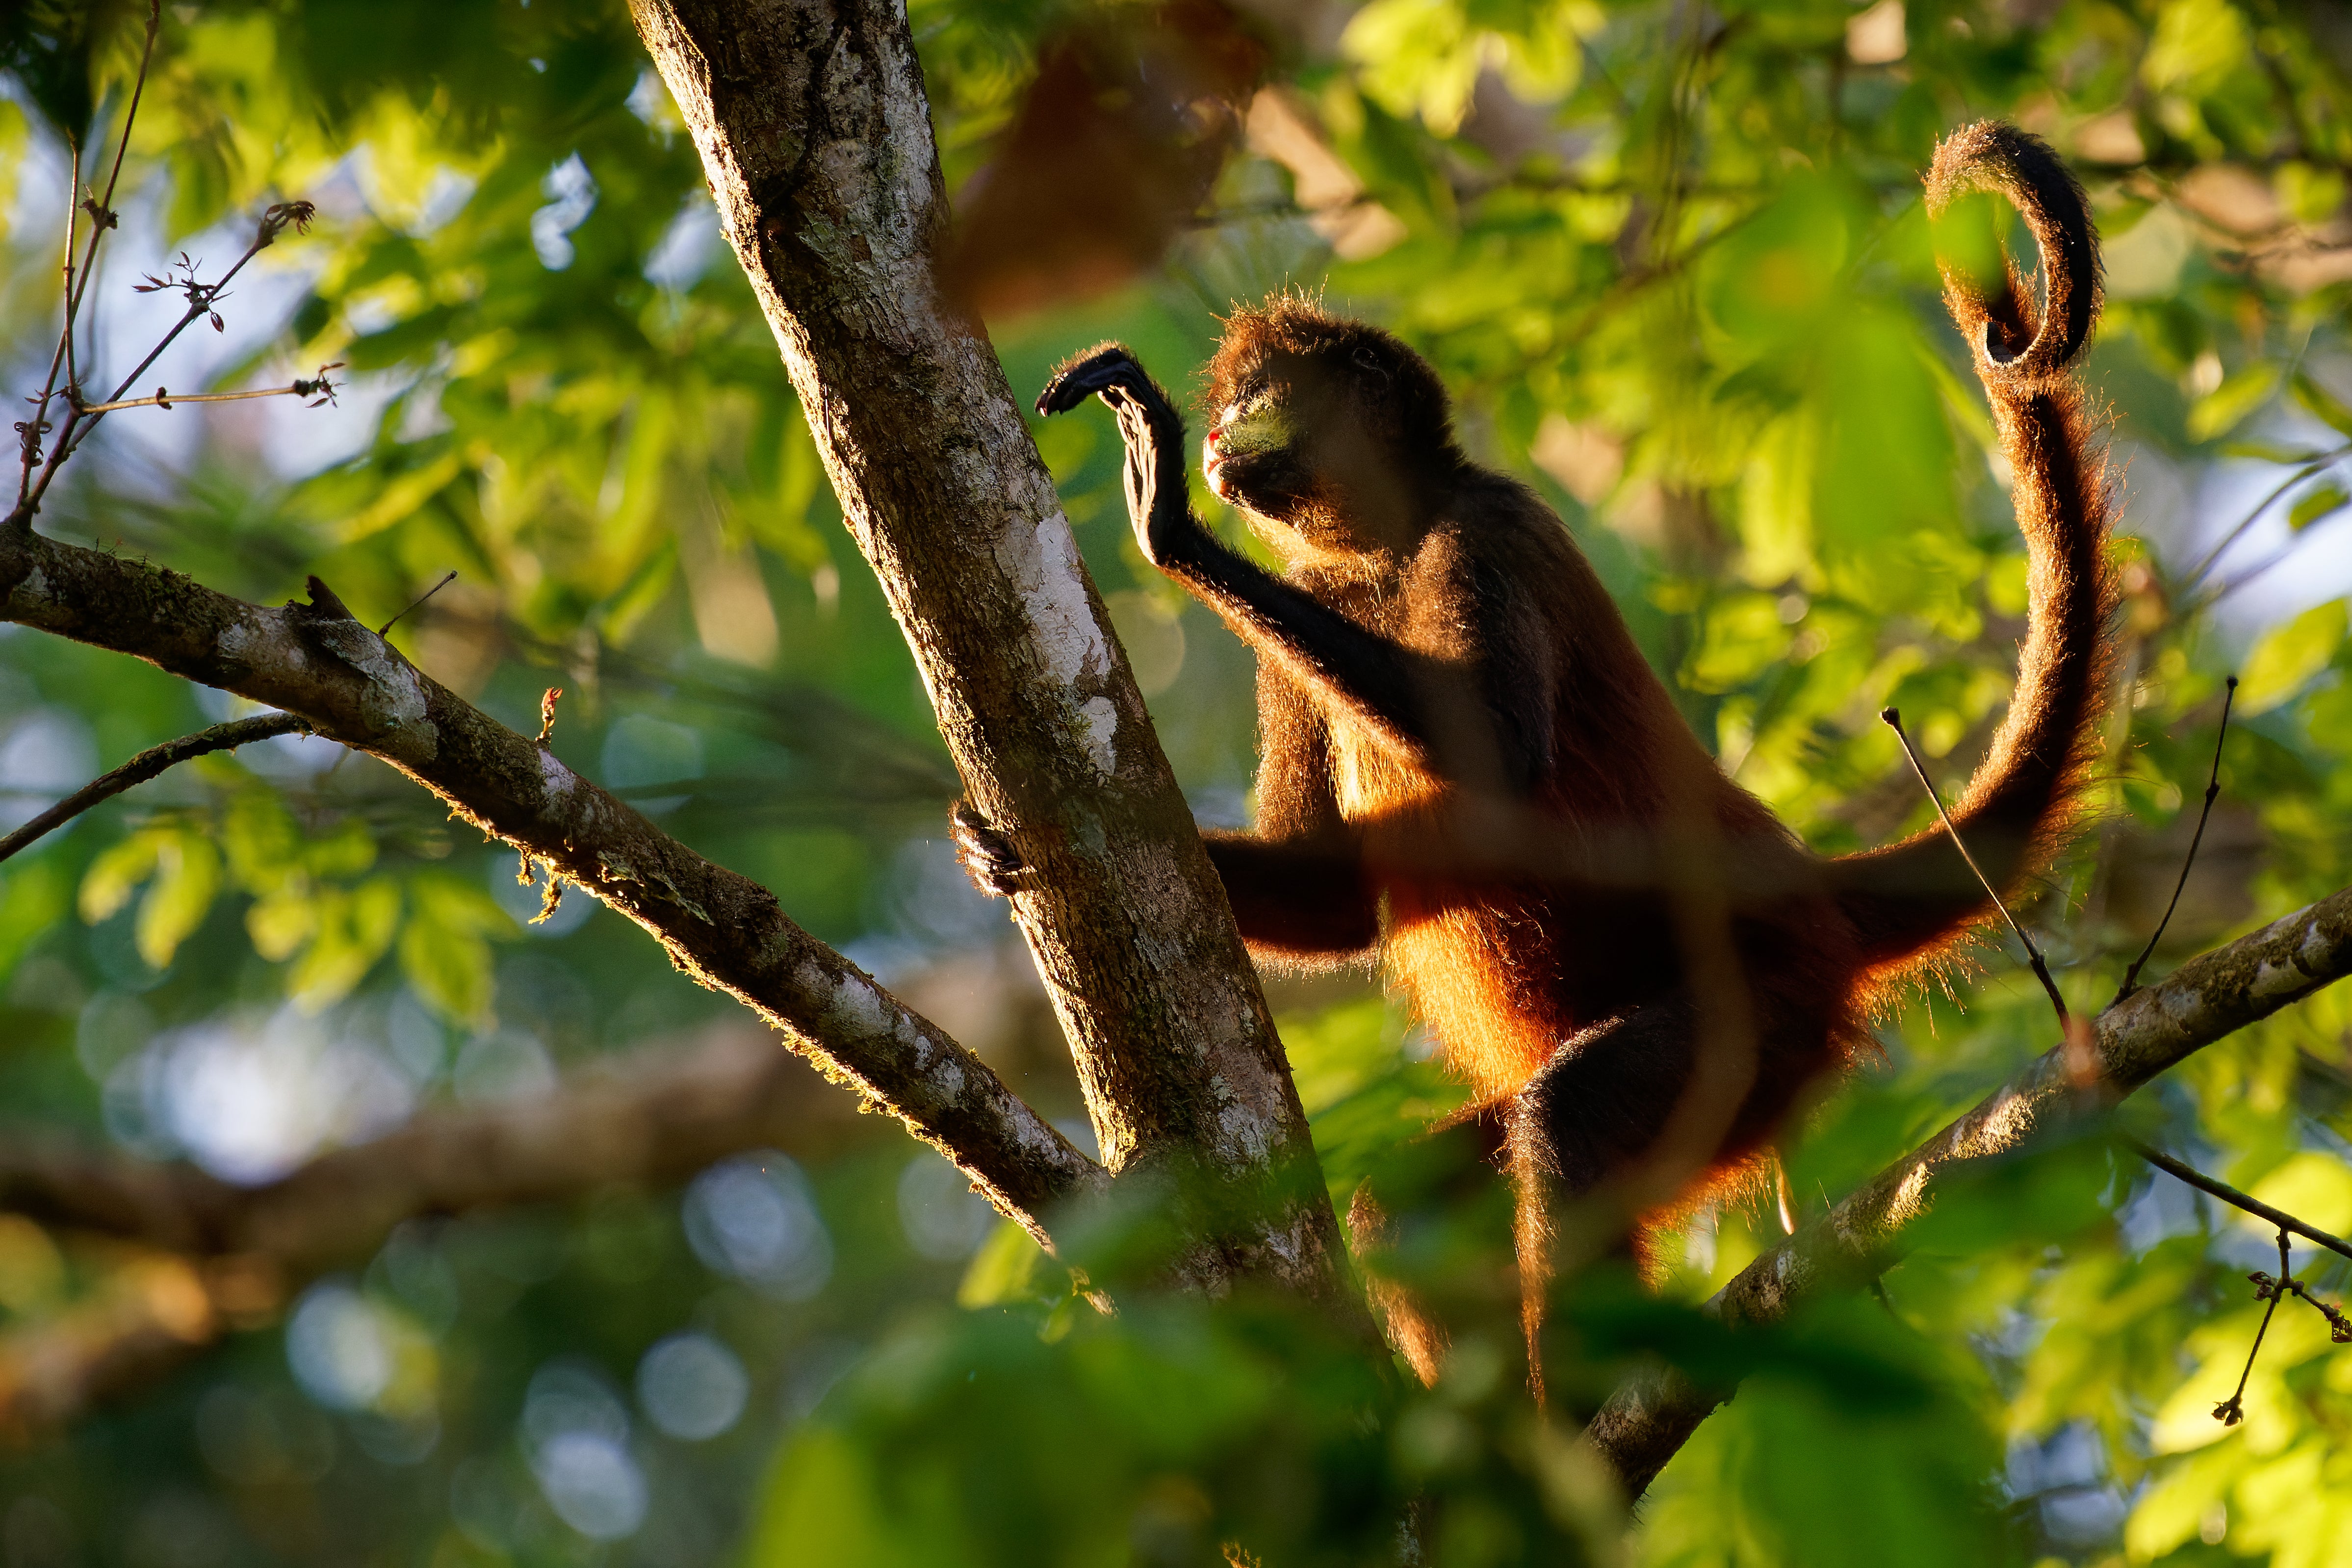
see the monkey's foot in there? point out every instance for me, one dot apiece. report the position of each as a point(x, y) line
point(995, 866)
point(1110, 371)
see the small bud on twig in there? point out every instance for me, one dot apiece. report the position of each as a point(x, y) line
point(276, 219)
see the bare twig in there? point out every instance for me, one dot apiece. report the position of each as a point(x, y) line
point(83, 418)
point(2316, 466)
point(102, 217)
point(2189, 860)
point(2231, 1195)
point(31, 430)
point(417, 604)
point(1893, 718)
point(298, 387)
point(2339, 1327)
point(2231, 1409)
point(148, 765)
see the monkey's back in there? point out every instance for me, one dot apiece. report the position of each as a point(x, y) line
point(1552, 875)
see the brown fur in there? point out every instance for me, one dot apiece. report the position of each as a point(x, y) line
point(1468, 766)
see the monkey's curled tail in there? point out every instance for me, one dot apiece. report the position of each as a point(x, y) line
point(1913, 898)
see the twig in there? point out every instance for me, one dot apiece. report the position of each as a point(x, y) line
point(2212, 789)
point(2339, 1327)
point(148, 765)
point(386, 628)
point(102, 218)
point(31, 430)
point(2233, 1409)
point(1893, 718)
point(2311, 469)
point(2232, 1196)
point(81, 418)
point(163, 399)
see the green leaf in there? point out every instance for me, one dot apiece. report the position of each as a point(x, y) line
point(1009, 1266)
point(2226, 407)
point(2272, 452)
point(445, 950)
point(2317, 504)
point(187, 879)
point(32, 899)
point(2284, 661)
point(115, 874)
point(2321, 402)
point(281, 921)
point(354, 928)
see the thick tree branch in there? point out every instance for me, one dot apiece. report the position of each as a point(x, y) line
point(214, 1257)
point(724, 930)
point(150, 764)
point(653, 1120)
point(816, 136)
point(2206, 1000)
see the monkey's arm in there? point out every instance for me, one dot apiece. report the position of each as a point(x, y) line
point(1385, 685)
point(1298, 882)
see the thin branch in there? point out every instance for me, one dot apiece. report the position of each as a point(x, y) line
point(2232, 1196)
point(418, 604)
point(130, 118)
point(2311, 469)
point(2189, 860)
point(1893, 718)
point(2233, 1409)
point(2208, 999)
point(165, 399)
point(149, 764)
point(36, 426)
point(102, 217)
point(82, 419)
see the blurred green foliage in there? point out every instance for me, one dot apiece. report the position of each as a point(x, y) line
point(1672, 260)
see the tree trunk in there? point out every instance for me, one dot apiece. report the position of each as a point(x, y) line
point(816, 136)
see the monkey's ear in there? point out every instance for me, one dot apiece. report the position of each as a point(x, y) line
point(1366, 357)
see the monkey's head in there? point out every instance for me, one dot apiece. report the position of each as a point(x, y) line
point(1330, 434)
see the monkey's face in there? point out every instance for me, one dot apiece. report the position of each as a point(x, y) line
point(1256, 455)
point(1298, 449)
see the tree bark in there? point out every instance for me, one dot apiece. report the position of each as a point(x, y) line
point(816, 136)
point(2211, 997)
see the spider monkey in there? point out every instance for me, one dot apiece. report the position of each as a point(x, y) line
point(1468, 766)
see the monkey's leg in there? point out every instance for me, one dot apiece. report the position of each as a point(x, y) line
point(1303, 899)
point(1598, 1111)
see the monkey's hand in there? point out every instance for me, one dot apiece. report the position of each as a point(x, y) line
point(1152, 430)
point(1110, 372)
point(988, 858)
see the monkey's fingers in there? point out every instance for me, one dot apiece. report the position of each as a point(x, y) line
point(988, 858)
point(1099, 370)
